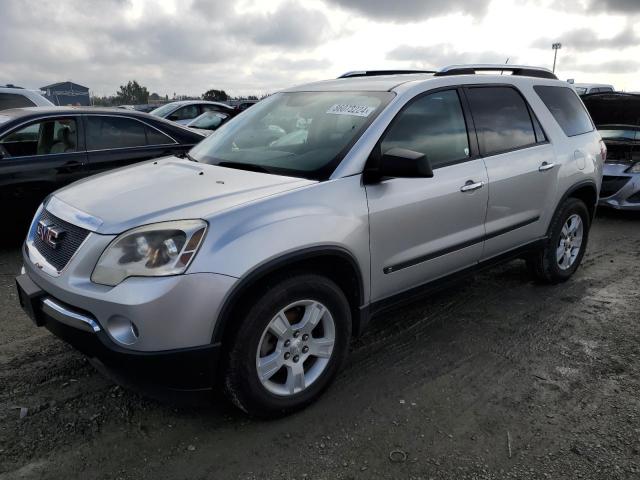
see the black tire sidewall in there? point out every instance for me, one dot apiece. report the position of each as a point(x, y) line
point(242, 379)
point(571, 207)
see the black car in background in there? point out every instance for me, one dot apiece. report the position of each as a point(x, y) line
point(43, 149)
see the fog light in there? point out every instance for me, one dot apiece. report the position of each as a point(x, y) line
point(122, 330)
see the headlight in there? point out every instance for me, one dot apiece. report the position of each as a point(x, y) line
point(154, 250)
point(635, 168)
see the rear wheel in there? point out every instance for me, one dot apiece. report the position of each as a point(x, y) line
point(289, 346)
point(563, 252)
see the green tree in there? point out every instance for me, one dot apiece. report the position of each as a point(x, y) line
point(133, 93)
point(215, 95)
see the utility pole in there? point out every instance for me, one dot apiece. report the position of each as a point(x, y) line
point(556, 47)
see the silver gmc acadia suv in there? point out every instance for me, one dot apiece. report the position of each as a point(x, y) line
point(251, 262)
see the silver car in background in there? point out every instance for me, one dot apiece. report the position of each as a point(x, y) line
point(617, 117)
point(251, 263)
point(185, 111)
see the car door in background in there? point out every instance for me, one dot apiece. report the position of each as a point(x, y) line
point(521, 165)
point(37, 159)
point(117, 141)
point(425, 228)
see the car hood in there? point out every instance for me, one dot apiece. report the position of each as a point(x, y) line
point(163, 190)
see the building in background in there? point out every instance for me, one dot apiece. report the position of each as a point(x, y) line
point(67, 93)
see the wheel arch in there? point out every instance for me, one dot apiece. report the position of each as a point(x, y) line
point(335, 262)
point(586, 191)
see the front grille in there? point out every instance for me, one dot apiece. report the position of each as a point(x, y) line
point(68, 243)
point(612, 185)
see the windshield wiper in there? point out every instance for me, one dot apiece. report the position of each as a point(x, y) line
point(185, 155)
point(244, 166)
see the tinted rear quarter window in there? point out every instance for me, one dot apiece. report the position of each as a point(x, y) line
point(502, 119)
point(10, 100)
point(566, 108)
point(154, 137)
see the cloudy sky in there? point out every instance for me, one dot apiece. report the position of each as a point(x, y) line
point(259, 46)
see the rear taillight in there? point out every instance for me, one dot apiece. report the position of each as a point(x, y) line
point(603, 151)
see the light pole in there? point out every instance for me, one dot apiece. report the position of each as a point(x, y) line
point(556, 47)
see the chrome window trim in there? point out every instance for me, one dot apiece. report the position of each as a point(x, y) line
point(175, 142)
point(50, 116)
point(69, 317)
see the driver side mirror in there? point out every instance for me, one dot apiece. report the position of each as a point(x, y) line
point(403, 163)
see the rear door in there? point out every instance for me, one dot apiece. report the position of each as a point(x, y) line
point(40, 157)
point(117, 141)
point(425, 228)
point(521, 166)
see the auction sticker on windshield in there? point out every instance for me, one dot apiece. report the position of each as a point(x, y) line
point(346, 109)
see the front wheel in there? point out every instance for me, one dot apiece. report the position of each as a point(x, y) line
point(565, 247)
point(289, 346)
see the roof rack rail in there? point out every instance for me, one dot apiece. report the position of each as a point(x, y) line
point(375, 73)
point(519, 70)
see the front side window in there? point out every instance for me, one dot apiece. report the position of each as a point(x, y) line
point(42, 138)
point(104, 133)
point(434, 125)
point(566, 108)
point(502, 119)
point(302, 134)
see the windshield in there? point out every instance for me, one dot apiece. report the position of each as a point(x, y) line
point(619, 134)
point(581, 90)
point(163, 110)
point(208, 120)
point(300, 134)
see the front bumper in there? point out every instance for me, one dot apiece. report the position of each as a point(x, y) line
point(624, 193)
point(181, 369)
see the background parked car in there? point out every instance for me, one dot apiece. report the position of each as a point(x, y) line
point(208, 122)
point(587, 88)
point(184, 111)
point(617, 118)
point(43, 149)
point(17, 97)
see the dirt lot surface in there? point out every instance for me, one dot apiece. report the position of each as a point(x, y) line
point(495, 378)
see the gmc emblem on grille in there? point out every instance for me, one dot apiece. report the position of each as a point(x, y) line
point(49, 233)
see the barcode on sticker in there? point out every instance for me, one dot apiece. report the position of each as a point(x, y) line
point(346, 109)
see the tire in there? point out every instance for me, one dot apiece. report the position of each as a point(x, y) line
point(281, 392)
point(545, 264)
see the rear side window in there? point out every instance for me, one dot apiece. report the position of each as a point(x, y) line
point(10, 100)
point(104, 133)
point(433, 125)
point(502, 119)
point(566, 108)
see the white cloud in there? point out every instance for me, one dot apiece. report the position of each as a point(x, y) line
point(259, 46)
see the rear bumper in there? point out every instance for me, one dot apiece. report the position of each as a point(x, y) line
point(181, 369)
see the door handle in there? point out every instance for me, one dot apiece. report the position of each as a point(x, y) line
point(470, 186)
point(546, 166)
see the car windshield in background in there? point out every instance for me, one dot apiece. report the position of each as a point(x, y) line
point(163, 110)
point(581, 90)
point(619, 134)
point(300, 134)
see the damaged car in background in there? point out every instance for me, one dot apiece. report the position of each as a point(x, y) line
point(617, 118)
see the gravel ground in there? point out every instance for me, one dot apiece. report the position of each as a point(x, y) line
point(495, 378)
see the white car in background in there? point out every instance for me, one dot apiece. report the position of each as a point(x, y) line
point(185, 111)
point(587, 88)
point(18, 97)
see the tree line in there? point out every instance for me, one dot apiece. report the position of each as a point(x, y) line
point(135, 94)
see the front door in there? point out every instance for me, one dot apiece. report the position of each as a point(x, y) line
point(38, 159)
point(424, 228)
